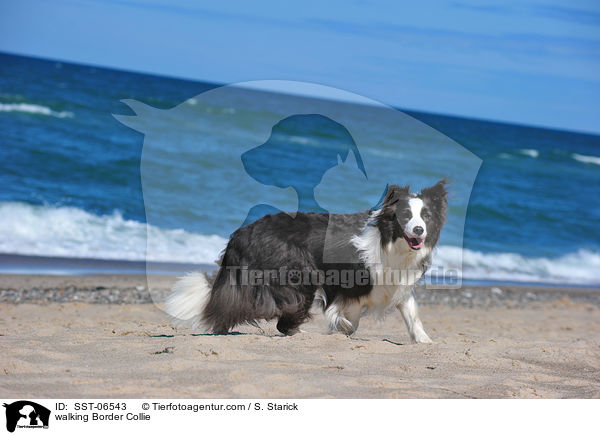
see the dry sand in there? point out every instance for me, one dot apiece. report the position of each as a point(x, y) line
point(74, 349)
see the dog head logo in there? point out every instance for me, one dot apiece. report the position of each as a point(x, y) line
point(26, 414)
point(295, 157)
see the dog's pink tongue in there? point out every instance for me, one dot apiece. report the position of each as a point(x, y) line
point(416, 243)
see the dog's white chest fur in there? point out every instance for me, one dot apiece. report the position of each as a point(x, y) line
point(394, 270)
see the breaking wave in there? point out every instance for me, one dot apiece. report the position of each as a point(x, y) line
point(33, 109)
point(72, 232)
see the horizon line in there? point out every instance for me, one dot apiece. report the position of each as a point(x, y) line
point(362, 100)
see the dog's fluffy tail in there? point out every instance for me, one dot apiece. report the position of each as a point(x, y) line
point(188, 299)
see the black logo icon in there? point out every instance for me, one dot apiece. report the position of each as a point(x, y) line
point(26, 414)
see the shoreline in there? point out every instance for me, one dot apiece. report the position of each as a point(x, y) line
point(28, 265)
point(133, 289)
point(17, 264)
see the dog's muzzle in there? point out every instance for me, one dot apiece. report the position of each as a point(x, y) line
point(415, 243)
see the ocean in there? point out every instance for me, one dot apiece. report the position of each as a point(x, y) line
point(83, 177)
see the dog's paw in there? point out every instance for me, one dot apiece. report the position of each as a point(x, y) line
point(422, 338)
point(344, 326)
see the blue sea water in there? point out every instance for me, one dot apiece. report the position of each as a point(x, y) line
point(77, 182)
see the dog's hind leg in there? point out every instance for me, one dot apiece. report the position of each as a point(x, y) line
point(296, 313)
point(410, 312)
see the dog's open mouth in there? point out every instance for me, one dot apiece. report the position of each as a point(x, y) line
point(413, 242)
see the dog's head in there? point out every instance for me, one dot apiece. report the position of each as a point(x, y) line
point(418, 218)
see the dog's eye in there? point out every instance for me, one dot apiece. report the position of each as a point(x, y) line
point(426, 215)
point(405, 214)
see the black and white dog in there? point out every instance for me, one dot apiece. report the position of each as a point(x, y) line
point(351, 264)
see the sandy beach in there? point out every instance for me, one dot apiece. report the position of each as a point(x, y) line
point(100, 336)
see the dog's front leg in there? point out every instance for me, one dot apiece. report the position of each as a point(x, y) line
point(410, 312)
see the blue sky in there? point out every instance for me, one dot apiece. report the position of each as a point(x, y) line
point(530, 62)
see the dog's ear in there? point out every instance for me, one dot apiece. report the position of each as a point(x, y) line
point(438, 192)
point(438, 197)
point(394, 194)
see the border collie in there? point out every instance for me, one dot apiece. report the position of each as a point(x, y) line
point(350, 264)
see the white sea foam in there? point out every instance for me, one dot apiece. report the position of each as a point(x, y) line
point(530, 152)
point(581, 267)
point(71, 232)
point(302, 140)
point(595, 160)
point(33, 109)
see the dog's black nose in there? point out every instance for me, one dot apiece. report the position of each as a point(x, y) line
point(418, 230)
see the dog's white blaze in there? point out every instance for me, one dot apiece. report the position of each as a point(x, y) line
point(187, 300)
point(416, 205)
